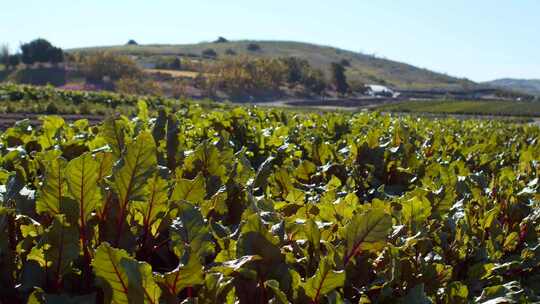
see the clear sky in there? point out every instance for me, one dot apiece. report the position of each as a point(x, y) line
point(477, 39)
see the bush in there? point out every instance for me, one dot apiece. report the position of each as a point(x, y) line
point(51, 108)
point(99, 65)
point(209, 53)
point(345, 62)
point(230, 52)
point(137, 86)
point(132, 42)
point(41, 76)
point(221, 40)
point(253, 47)
point(176, 64)
point(85, 108)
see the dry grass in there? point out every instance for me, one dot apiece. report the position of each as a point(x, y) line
point(174, 73)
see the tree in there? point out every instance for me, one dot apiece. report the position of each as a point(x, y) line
point(99, 65)
point(4, 55)
point(253, 47)
point(41, 50)
point(132, 42)
point(221, 40)
point(315, 81)
point(339, 80)
point(176, 64)
point(14, 60)
point(296, 69)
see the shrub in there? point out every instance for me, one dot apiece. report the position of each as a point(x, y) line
point(132, 42)
point(99, 65)
point(230, 52)
point(345, 62)
point(51, 108)
point(221, 40)
point(176, 64)
point(40, 76)
point(137, 86)
point(209, 53)
point(253, 47)
point(85, 108)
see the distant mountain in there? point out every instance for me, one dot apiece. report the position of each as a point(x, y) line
point(364, 68)
point(527, 86)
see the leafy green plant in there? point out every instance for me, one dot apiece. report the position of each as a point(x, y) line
point(245, 205)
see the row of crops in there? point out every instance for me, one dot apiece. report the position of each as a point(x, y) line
point(263, 206)
point(16, 98)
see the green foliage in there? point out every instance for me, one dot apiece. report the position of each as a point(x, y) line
point(97, 66)
point(209, 53)
point(39, 76)
point(475, 107)
point(249, 205)
point(339, 80)
point(41, 50)
point(253, 47)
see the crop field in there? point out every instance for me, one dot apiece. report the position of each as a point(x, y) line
point(502, 108)
point(179, 202)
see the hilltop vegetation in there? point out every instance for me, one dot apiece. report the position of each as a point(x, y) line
point(527, 86)
point(360, 67)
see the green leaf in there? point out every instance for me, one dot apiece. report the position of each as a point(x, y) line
point(416, 295)
point(172, 142)
point(457, 293)
point(324, 281)
point(208, 159)
point(152, 211)
point(134, 169)
point(415, 211)
point(82, 174)
point(183, 276)
point(489, 217)
point(122, 278)
point(511, 292)
point(256, 239)
point(57, 248)
point(193, 191)
point(190, 236)
point(51, 124)
point(511, 241)
point(279, 295)
point(114, 133)
point(233, 266)
point(313, 234)
point(141, 283)
point(142, 109)
point(39, 297)
point(367, 231)
point(51, 195)
point(305, 170)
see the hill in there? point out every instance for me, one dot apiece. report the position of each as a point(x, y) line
point(363, 68)
point(527, 86)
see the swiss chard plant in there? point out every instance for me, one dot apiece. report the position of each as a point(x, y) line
point(245, 205)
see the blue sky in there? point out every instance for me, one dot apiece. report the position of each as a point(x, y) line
point(477, 39)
